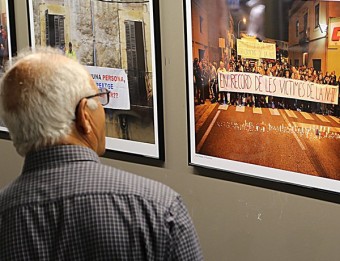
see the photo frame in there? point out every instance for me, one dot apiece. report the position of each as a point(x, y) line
point(257, 105)
point(119, 43)
point(8, 41)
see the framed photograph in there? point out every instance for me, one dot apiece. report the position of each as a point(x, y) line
point(7, 39)
point(119, 43)
point(263, 89)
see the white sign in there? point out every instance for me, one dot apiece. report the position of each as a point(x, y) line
point(115, 80)
point(278, 87)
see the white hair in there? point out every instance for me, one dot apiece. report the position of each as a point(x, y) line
point(38, 98)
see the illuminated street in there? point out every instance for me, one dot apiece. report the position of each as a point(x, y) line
point(277, 138)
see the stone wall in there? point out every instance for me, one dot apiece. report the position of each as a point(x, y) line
point(95, 28)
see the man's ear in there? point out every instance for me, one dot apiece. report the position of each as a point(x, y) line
point(82, 118)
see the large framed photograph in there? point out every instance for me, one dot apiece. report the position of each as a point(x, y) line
point(119, 43)
point(7, 39)
point(263, 89)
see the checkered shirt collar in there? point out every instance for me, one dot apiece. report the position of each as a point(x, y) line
point(58, 155)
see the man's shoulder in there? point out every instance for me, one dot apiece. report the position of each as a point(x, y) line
point(84, 179)
point(107, 179)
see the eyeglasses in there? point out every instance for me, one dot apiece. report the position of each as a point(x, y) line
point(103, 96)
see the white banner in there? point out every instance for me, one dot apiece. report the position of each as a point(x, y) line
point(278, 87)
point(115, 80)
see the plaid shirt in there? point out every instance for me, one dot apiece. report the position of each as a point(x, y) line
point(66, 205)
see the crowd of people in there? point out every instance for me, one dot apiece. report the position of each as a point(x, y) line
point(206, 86)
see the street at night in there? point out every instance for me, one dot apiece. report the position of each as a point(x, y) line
point(283, 139)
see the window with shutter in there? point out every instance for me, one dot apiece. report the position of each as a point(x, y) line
point(55, 30)
point(136, 62)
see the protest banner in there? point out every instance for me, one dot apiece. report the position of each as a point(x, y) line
point(278, 87)
point(255, 50)
point(115, 80)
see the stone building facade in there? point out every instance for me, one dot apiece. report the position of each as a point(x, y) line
point(114, 34)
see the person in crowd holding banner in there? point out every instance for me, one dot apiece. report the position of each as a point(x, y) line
point(222, 95)
point(66, 205)
point(333, 78)
point(337, 108)
point(70, 53)
point(287, 102)
point(213, 82)
point(325, 107)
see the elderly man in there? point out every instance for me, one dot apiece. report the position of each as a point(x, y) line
point(66, 205)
